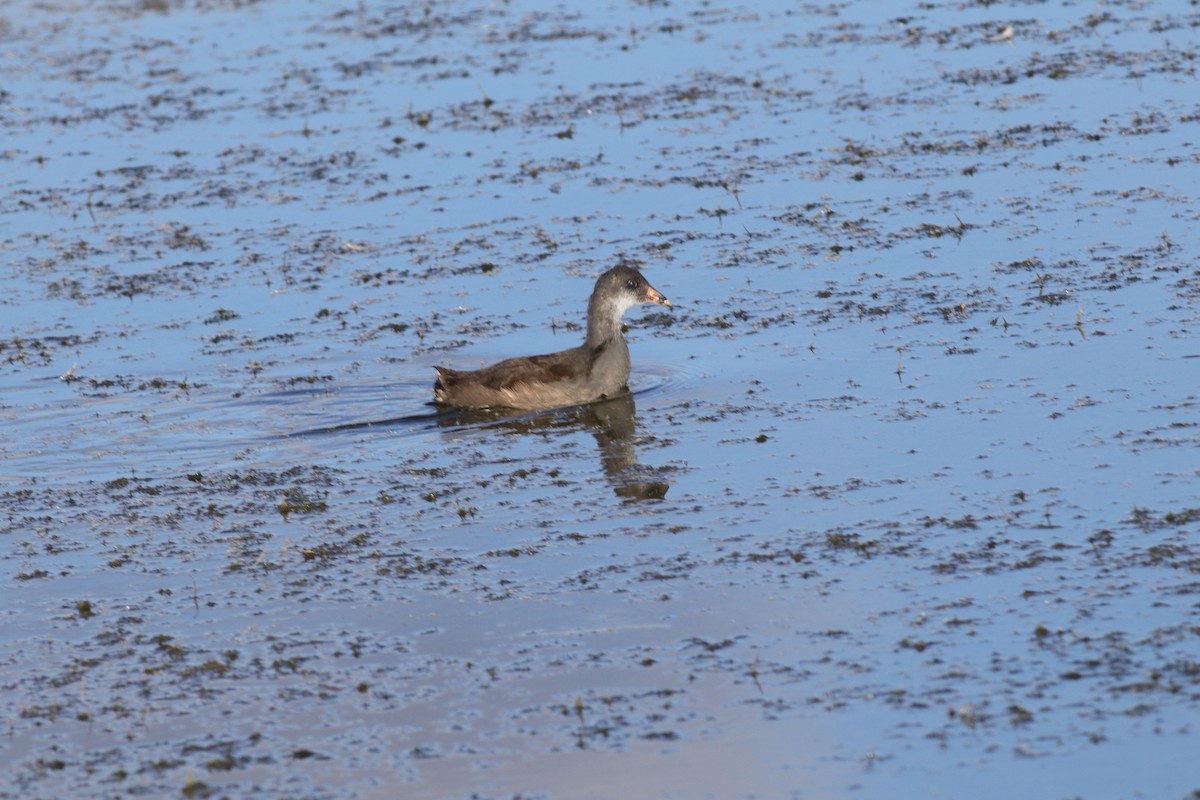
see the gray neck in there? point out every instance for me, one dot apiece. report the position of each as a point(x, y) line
point(604, 321)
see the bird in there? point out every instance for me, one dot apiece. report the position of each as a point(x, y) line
point(597, 369)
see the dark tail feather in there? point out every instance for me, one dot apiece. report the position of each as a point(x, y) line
point(441, 384)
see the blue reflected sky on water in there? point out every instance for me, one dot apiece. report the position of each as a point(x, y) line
point(792, 178)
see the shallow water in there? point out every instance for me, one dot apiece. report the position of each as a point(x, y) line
point(900, 505)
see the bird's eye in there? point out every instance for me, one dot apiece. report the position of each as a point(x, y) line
point(632, 283)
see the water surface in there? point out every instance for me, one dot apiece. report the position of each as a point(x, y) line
point(900, 504)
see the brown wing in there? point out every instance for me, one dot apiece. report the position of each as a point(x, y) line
point(550, 368)
point(564, 366)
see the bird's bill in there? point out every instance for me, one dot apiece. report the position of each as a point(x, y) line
point(655, 296)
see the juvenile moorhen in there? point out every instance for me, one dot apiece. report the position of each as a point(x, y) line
point(596, 369)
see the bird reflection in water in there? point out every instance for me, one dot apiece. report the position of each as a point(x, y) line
point(613, 422)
